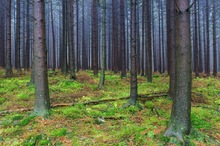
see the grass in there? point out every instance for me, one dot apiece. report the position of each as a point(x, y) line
point(105, 123)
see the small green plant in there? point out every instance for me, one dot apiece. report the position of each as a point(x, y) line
point(58, 132)
point(25, 121)
point(2, 100)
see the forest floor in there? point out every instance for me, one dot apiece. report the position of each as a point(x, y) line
point(103, 123)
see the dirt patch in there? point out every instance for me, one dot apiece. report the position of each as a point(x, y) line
point(197, 98)
point(83, 77)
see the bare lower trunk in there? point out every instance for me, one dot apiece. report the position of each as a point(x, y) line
point(42, 101)
point(180, 119)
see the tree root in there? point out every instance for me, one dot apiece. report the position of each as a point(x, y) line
point(140, 97)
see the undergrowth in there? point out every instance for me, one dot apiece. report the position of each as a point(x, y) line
point(104, 123)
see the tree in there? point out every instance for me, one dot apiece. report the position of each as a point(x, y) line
point(115, 36)
point(27, 47)
point(133, 83)
point(148, 40)
point(170, 46)
point(196, 51)
point(95, 36)
point(8, 43)
point(17, 40)
point(215, 71)
point(2, 35)
point(53, 36)
point(71, 40)
point(103, 59)
point(64, 39)
point(181, 108)
point(42, 100)
point(207, 71)
point(123, 51)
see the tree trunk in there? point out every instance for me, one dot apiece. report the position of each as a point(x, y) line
point(123, 52)
point(215, 70)
point(143, 39)
point(84, 49)
point(27, 47)
point(103, 59)
point(200, 42)
point(148, 41)
point(42, 100)
point(115, 36)
point(171, 47)
point(64, 46)
point(77, 37)
point(71, 40)
point(196, 54)
point(95, 37)
point(180, 119)
point(133, 88)
point(8, 43)
point(207, 39)
point(53, 37)
point(2, 35)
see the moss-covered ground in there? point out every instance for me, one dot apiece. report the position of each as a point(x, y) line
point(104, 123)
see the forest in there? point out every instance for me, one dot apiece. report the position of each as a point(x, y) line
point(109, 72)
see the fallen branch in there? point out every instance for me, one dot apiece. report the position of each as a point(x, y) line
point(94, 102)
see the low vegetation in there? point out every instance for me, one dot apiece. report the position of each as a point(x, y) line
point(104, 123)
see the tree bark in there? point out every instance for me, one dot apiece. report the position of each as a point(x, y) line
point(123, 52)
point(207, 39)
point(53, 37)
point(133, 88)
point(42, 100)
point(8, 43)
point(103, 59)
point(171, 47)
point(180, 118)
point(196, 54)
point(215, 70)
point(71, 40)
point(95, 37)
point(2, 35)
point(148, 41)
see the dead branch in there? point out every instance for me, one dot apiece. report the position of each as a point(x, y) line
point(145, 97)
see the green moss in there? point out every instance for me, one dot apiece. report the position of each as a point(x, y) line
point(2, 100)
point(199, 122)
point(25, 121)
point(58, 132)
point(74, 112)
point(23, 96)
point(17, 117)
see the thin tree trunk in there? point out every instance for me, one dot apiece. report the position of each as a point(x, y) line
point(17, 40)
point(115, 36)
point(2, 35)
point(133, 88)
point(196, 54)
point(53, 36)
point(27, 47)
point(8, 43)
point(215, 70)
point(148, 41)
point(208, 41)
point(200, 42)
point(103, 59)
point(171, 48)
point(95, 37)
point(71, 40)
point(123, 52)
